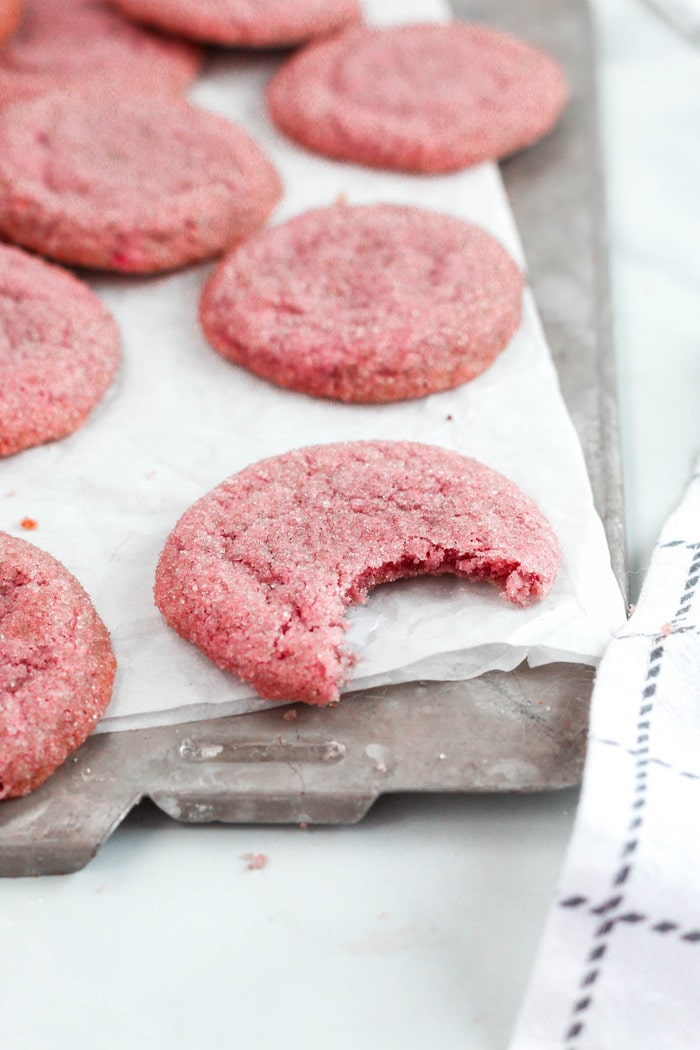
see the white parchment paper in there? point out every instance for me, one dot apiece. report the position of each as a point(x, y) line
point(180, 419)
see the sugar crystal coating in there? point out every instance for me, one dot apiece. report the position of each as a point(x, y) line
point(371, 303)
point(128, 183)
point(258, 573)
point(59, 351)
point(245, 23)
point(423, 98)
point(61, 42)
point(56, 666)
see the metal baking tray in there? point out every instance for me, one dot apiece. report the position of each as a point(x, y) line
point(523, 730)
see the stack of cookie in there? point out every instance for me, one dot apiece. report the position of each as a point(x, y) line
point(103, 164)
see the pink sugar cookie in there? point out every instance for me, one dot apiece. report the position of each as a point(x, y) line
point(423, 98)
point(135, 184)
point(259, 572)
point(10, 14)
point(245, 23)
point(56, 666)
point(61, 42)
point(59, 351)
point(371, 303)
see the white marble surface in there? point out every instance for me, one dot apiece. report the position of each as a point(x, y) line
point(417, 927)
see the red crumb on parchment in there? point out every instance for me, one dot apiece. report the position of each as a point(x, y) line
point(29, 524)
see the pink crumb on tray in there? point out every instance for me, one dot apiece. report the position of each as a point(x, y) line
point(259, 572)
point(256, 861)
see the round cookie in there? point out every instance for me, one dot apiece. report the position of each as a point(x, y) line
point(135, 184)
point(56, 666)
point(59, 351)
point(422, 98)
point(10, 15)
point(242, 23)
point(371, 303)
point(259, 572)
point(61, 42)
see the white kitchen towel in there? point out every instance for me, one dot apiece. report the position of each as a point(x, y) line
point(619, 965)
point(685, 15)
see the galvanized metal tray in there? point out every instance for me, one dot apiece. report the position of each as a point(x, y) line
point(519, 731)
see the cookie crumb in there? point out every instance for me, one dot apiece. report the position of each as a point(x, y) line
point(668, 628)
point(303, 825)
point(448, 419)
point(29, 524)
point(256, 861)
point(290, 715)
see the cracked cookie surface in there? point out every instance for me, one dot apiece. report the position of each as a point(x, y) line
point(61, 42)
point(245, 23)
point(370, 303)
point(131, 184)
point(422, 98)
point(59, 351)
point(56, 666)
point(258, 573)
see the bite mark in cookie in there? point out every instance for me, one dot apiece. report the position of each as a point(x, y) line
point(259, 572)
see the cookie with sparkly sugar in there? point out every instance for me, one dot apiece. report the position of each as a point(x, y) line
point(136, 184)
point(10, 15)
point(430, 97)
point(259, 572)
point(61, 42)
point(240, 23)
point(59, 351)
point(372, 303)
point(57, 667)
